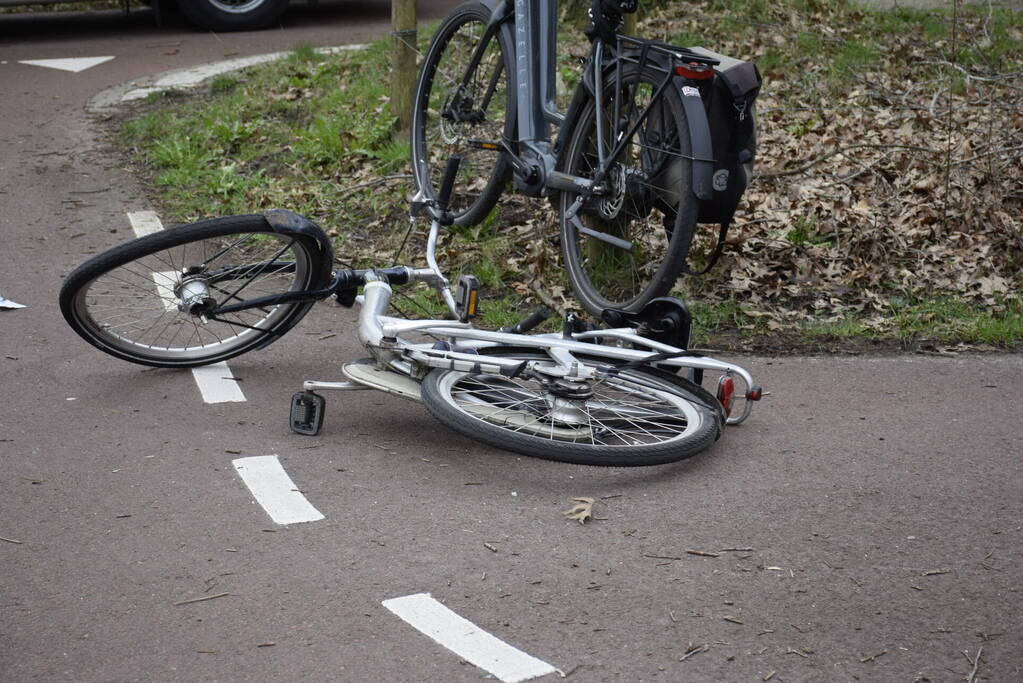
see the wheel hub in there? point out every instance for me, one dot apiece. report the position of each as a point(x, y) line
point(194, 296)
point(565, 412)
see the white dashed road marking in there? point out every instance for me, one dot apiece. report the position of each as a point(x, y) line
point(165, 281)
point(216, 382)
point(273, 489)
point(467, 640)
point(145, 222)
point(73, 64)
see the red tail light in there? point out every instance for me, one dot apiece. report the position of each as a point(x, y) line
point(726, 391)
point(697, 72)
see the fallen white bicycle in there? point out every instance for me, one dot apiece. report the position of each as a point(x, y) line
point(628, 394)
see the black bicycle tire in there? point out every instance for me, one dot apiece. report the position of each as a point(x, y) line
point(77, 283)
point(673, 260)
point(500, 174)
point(443, 409)
point(210, 16)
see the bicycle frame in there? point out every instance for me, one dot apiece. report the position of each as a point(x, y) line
point(382, 336)
point(532, 27)
point(535, 45)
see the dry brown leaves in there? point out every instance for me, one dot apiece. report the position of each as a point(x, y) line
point(892, 186)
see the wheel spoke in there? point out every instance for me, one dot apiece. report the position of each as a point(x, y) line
point(621, 413)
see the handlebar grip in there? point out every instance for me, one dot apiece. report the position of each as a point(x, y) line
point(529, 322)
point(448, 182)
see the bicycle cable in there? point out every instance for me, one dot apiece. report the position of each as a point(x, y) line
point(404, 241)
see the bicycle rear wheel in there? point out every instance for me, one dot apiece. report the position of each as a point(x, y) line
point(147, 301)
point(648, 203)
point(630, 417)
point(460, 103)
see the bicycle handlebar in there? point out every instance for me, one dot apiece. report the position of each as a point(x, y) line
point(529, 322)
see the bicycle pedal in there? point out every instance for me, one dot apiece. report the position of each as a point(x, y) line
point(467, 297)
point(307, 413)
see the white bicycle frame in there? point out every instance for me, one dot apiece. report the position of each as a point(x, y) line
point(382, 335)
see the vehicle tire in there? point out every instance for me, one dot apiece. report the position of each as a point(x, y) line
point(232, 15)
point(649, 200)
point(446, 116)
point(636, 416)
point(128, 301)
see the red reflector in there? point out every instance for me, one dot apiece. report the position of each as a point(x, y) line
point(698, 72)
point(726, 390)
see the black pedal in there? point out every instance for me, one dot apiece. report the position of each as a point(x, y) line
point(467, 297)
point(307, 413)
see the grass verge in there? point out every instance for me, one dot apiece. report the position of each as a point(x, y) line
point(886, 251)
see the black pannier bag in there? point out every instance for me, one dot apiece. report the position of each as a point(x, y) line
point(729, 99)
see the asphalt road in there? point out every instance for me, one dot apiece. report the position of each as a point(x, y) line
point(865, 524)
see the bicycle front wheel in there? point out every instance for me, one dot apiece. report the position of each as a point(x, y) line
point(629, 417)
point(148, 301)
point(627, 245)
point(463, 101)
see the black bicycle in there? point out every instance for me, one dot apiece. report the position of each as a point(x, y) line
point(656, 139)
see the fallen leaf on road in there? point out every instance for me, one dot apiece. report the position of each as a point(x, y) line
point(582, 510)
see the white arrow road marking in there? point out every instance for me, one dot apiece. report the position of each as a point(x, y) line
point(216, 382)
point(73, 64)
point(467, 640)
point(7, 303)
point(273, 489)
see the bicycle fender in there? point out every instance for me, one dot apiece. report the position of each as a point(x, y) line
point(699, 139)
point(290, 223)
point(502, 12)
point(499, 9)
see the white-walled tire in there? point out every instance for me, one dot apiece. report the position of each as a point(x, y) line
point(631, 417)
